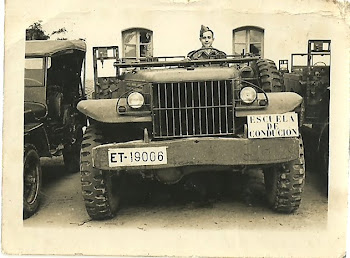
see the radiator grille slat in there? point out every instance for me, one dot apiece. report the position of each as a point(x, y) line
point(206, 110)
point(166, 112)
point(193, 113)
point(186, 121)
point(192, 109)
point(226, 111)
point(180, 113)
point(219, 107)
point(172, 101)
point(213, 105)
point(159, 105)
point(200, 110)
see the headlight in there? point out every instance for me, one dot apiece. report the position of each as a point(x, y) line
point(248, 95)
point(136, 100)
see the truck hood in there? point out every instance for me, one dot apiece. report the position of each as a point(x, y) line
point(182, 74)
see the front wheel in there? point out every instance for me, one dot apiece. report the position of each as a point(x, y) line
point(31, 181)
point(284, 184)
point(100, 189)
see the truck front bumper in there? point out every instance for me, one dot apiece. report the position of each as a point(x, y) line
point(208, 151)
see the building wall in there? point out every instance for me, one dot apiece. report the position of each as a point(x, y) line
point(176, 31)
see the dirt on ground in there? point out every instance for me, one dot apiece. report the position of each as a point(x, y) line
point(226, 200)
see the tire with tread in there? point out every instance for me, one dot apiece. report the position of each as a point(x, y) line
point(32, 176)
point(101, 195)
point(284, 183)
point(269, 78)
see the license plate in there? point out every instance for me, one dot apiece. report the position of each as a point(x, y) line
point(273, 125)
point(120, 157)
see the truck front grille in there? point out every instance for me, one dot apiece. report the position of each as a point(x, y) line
point(192, 109)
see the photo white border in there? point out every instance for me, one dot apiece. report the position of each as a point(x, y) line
point(17, 239)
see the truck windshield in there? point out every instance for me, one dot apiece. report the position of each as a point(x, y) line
point(34, 72)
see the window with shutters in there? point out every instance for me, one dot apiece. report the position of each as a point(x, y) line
point(137, 43)
point(248, 39)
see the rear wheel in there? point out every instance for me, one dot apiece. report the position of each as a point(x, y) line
point(284, 184)
point(269, 78)
point(101, 190)
point(31, 181)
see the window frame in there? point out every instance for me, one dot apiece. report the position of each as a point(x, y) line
point(138, 43)
point(248, 41)
point(42, 71)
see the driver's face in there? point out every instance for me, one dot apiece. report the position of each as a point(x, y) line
point(207, 39)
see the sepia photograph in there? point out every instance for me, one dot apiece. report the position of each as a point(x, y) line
point(176, 128)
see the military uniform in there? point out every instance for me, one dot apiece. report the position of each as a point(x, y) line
point(206, 53)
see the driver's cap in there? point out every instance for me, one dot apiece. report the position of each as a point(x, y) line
point(203, 29)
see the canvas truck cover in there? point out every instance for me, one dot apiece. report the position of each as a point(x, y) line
point(38, 48)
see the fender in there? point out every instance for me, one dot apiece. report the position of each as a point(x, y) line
point(279, 103)
point(105, 111)
point(35, 133)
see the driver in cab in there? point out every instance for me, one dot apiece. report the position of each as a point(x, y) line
point(206, 37)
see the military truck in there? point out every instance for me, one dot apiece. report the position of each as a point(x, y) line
point(53, 85)
point(168, 117)
point(310, 78)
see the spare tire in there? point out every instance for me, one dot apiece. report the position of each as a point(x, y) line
point(269, 78)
